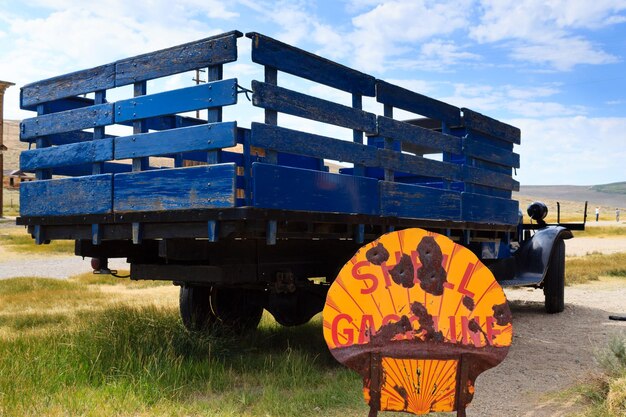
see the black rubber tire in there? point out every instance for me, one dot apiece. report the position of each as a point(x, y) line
point(195, 307)
point(554, 283)
point(236, 309)
point(205, 308)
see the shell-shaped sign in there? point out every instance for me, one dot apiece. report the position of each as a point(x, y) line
point(419, 317)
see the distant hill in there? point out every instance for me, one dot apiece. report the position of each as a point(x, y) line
point(579, 193)
point(614, 188)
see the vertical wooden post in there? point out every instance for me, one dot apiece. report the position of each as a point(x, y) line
point(214, 115)
point(271, 118)
point(375, 382)
point(139, 164)
point(3, 86)
point(98, 167)
point(462, 380)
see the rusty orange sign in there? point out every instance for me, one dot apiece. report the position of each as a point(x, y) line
point(419, 317)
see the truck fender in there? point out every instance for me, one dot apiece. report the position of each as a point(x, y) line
point(533, 257)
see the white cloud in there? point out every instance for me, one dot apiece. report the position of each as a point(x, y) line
point(574, 150)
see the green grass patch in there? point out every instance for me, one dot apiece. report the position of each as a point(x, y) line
point(89, 278)
point(23, 243)
point(591, 267)
point(601, 231)
point(605, 393)
point(141, 361)
point(615, 188)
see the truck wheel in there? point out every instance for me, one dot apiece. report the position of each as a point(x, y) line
point(554, 283)
point(195, 307)
point(237, 309)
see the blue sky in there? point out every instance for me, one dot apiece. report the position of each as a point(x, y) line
point(554, 68)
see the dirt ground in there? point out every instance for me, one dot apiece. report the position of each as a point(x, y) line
point(550, 352)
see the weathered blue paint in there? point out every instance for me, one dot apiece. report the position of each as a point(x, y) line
point(214, 94)
point(489, 178)
point(73, 84)
point(297, 104)
point(283, 57)
point(67, 196)
point(480, 208)
point(417, 202)
point(67, 121)
point(417, 103)
point(86, 169)
point(176, 189)
point(74, 154)
point(489, 126)
point(187, 139)
point(278, 187)
point(479, 150)
point(214, 50)
point(417, 139)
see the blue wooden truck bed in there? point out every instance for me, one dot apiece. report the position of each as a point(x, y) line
point(446, 167)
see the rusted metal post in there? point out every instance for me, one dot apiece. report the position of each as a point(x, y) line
point(3, 86)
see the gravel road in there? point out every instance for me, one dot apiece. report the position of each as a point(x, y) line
point(52, 266)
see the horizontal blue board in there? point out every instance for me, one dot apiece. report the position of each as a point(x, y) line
point(73, 84)
point(417, 103)
point(224, 157)
point(277, 187)
point(418, 202)
point(213, 94)
point(67, 196)
point(67, 121)
point(79, 153)
point(186, 139)
point(69, 103)
point(215, 50)
point(284, 57)
point(489, 178)
point(293, 141)
point(198, 187)
point(418, 139)
point(477, 149)
point(87, 169)
point(489, 126)
point(480, 208)
point(297, 104)
point(66, 138)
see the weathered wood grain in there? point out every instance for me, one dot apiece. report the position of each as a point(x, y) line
point(416, 136)
point(67, 121)
point(489, 126)
point(480, 208)
point(74, 154)
point(488, 178)
point(297, 104)
point(186, 139)
point(213, 94)
point(417, 103)
point(176, 189)
point(214, 50)
point(479, 150)
point(67, 196)
point(295, 61)
point(418, 202)
point(67, 85)
point(277, 187)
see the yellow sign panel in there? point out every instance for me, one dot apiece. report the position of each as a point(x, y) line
point(419, 317)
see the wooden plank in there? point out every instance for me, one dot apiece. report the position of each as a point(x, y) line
point(485, 152)
point(67, 121)
point(480, 208)
point(489, 178)
point(277, 187)
point(214, 50)
point(295, 61)
point(286, 140)
point(281, 139)
point(58, 156)
point(200, 187)
point(67, 85)
point(418, 202)
point(489, 126)
point(297, 104)
point(417, 103)
point(67, 196)
point(67, 138)
point(186, 139)
point(416, 136)
point(86, 169)
point(213, 94)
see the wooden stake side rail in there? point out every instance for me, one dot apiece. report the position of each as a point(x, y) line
point(448, 167)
